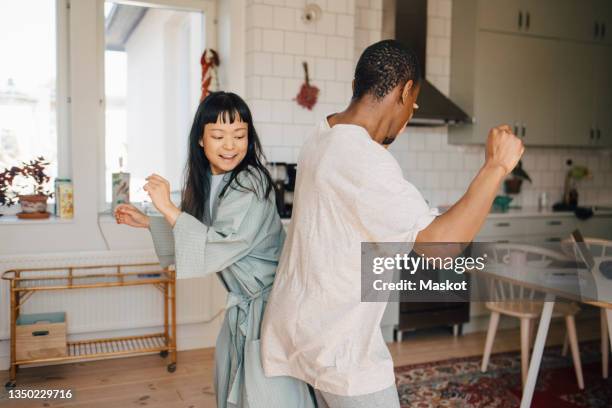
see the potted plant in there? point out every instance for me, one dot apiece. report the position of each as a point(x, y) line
point(34, 204)
point(513, 184)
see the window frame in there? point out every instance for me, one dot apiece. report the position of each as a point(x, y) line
point(206, 7)
point(62, 89)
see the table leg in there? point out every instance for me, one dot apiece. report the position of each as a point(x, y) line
point(609, 316)
point(538, 350)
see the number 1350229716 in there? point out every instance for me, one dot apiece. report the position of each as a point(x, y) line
point(39, 394)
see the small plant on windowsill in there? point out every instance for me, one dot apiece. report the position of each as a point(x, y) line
point(29, 178)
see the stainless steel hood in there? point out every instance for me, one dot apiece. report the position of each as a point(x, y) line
point(435, 109)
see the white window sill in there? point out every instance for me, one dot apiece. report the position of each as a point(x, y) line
point(13, 220)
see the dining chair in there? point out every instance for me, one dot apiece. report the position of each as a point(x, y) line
point(599, 248)
point(522, 303)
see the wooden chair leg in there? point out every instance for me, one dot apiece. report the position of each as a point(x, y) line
point(573, 340)
point(605, 350)
point(565, 344)
point(532, 332)
point(525, 343)
point(493, 322)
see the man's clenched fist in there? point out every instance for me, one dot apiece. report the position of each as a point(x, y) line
point(504, 148)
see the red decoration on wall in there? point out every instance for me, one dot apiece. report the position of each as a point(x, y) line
point(209, 62)
point(307, 97)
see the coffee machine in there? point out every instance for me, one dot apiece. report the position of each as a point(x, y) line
point(283, 177)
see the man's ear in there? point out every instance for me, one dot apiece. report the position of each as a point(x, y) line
point(406, 91)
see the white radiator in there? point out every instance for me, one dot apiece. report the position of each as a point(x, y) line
point(106, 309)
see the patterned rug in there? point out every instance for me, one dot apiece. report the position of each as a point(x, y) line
point(459, 382)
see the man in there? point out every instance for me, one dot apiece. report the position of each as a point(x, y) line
point(350, 189)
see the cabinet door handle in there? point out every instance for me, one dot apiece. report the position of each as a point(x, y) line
point(516, 130)
point(592, 134)
point(603, 30)
point(598, 134)
point(554, 223)
point(502, 224)
point(523, 131)
point(596, 33)
point(520, 20)
point(527, 19)
point(553, 239)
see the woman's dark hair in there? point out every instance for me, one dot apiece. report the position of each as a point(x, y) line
point(228, 107)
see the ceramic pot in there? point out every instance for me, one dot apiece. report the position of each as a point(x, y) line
point(33, 203)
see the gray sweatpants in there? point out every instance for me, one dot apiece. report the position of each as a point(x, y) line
point(386, 398)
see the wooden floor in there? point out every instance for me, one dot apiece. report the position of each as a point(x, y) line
point(143, 381)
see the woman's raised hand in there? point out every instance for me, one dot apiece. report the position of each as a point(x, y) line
point(158, 189)
point(132, 216)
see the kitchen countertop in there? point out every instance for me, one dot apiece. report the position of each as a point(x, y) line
point(604, 210)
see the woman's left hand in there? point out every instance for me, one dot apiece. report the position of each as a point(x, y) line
point(158, 189)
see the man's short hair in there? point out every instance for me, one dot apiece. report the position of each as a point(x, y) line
point(383, 66)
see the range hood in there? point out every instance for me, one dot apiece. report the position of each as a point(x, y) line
point(435, 109)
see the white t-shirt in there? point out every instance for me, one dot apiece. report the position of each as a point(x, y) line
point(349, 189)
point(214, 187)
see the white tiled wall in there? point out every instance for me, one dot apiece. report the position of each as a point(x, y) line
point(277, 43)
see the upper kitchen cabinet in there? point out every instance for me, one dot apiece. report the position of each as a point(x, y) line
point(552, 91)
point(576, 115)
point(535, 17)
point(582, 20)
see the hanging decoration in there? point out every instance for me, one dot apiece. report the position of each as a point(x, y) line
point(307, 97)
point(209, 62)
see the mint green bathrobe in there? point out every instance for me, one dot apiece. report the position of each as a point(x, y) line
point(241, 241)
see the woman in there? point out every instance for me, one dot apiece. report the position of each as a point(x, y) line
point(227, 223)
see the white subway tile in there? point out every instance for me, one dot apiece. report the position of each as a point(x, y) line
point(272, 40)
point(295, 3)
point(282, 111)
point(261, 63)
point(325, 68)
point(271, 87)
point(327, 24)
point(262, 110)
point(291, 87)
point(345, 70)
point(315, 45)
point(253, 86)
point(284, 18)
point(362, 4)
point(274, 2)
point(302, 115)
point(440, 161)
point(335, 91)
point(283, 65)
point(260, 15)
point(338, 6)
point(345, 25)
point(253, 39)
point(336, 47)
point(424, 161)
point(295, 43)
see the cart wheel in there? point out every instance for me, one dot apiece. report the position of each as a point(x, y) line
point(163, 353)
point(10, 384)
point(171, 367)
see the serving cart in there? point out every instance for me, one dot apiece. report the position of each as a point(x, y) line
point(25, 282)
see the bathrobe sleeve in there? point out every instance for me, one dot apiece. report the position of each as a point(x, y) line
point(197, 249)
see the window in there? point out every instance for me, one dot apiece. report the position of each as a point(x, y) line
point(28, 83)
point(152, 87)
